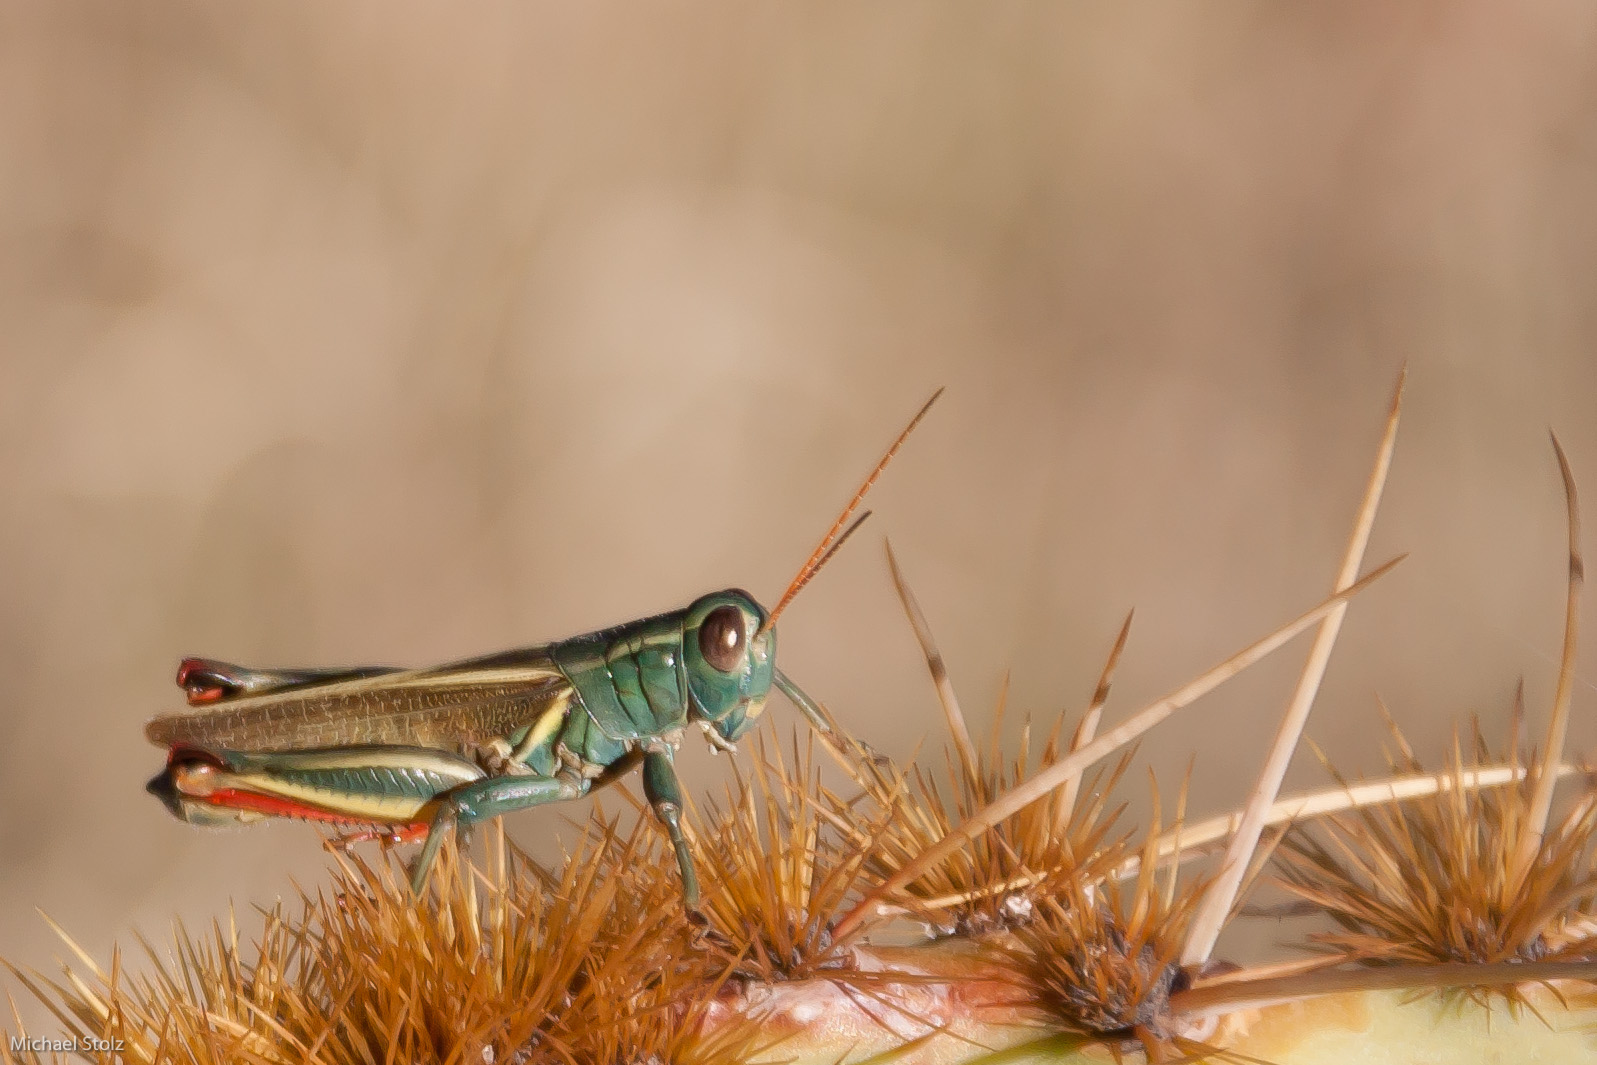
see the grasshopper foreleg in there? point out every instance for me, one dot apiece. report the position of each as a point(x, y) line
point(807, 706)
point(665, 796)
point(482, 800)
point(820, 721)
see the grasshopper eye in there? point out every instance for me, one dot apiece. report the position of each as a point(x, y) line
point(721, 638)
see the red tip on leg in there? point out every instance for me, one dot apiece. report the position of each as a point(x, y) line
point(196, 676)
point(187, 668)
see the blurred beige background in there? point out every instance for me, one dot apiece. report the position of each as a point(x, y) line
point(338, 333)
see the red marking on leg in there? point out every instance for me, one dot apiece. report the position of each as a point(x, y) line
point(194, 676)
point(187, 668)
point(388, 833)
point(410, 833)
point(276, 806)
point(191, 677)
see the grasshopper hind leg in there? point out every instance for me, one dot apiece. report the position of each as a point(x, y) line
point(482, 800)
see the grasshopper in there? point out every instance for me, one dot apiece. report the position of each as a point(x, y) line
point(406, 755)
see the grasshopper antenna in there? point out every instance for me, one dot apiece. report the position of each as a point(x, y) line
point(842, 529)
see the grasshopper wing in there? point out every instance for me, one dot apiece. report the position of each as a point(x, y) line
point(443, 708)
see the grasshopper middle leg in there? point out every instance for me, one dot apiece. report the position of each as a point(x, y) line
point(483, 800)
point(660, 787)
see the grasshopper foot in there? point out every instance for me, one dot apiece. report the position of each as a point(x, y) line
point(703, 937)
point(866, 753)
point(872, 755)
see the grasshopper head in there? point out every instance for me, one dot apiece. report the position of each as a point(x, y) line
point(730, 661)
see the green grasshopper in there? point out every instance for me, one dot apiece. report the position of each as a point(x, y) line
point(405, 755)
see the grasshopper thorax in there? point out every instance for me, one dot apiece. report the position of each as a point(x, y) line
point(730, 660)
